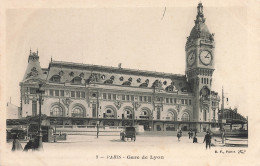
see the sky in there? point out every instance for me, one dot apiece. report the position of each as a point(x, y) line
point(139, 38)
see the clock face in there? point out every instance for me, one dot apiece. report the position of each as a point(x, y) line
point(191, 58)
point(205, 57)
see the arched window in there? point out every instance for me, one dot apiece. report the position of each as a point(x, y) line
point(81, 75)
point(185, 117)
point(56, 111)
point(77, 112)
point(61, 73)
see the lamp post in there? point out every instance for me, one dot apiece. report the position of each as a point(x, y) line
point(40, 91)
point(133, 114)
point(97, 114)
point(97, 128)
point(55, 123)
point(153, 105)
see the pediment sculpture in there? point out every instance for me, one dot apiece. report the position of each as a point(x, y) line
point(118, 104)
point(67, 102)
point(34, 72)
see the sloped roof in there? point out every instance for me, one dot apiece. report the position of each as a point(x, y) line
point(80, 66)
point(33, 69)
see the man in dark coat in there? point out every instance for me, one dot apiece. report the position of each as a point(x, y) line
point(29, 145)
point(179, 134)
point(207, 139)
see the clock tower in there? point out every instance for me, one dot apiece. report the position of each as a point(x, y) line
point(200, 67)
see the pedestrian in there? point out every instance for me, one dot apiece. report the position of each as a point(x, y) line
point(195, 140)
point(29, 145)
point(207, 139)
point(190, 134)
point(179, 134)
point(223, 136)
point(16, 144)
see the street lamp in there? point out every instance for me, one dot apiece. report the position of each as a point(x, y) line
point(40, 91)
point(97, 114)
point(97, 128)
point(133, 114)
point(55, 123)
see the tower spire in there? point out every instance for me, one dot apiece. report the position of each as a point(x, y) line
point(200, 16)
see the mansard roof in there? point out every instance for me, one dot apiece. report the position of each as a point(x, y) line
point(99, 68)
point(81, 74)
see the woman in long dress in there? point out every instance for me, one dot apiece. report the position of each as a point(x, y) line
point(16, 144)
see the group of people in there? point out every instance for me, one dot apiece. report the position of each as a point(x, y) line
point(33, 144)
point(207, 138)
point(190, 133)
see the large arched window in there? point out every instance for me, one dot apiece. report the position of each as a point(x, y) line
point(185, 117)
point(56, 111)
point(77, 112)
point(170, 115)
point(144, 114)
point(109, 113)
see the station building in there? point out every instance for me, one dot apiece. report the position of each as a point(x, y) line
point(83, 94)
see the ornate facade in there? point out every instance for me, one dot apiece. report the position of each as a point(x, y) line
point(82, 94)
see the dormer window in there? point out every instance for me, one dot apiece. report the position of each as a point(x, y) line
point(55, 78)
point(81, 75)
point(103, 77)
point(77, 80)
point(61, 73)
point(71, 74)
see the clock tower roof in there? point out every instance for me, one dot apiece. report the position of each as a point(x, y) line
point(200, 29)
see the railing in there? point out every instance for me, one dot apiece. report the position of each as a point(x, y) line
point(109, 116)
point(86, 127)
point(144, 117)
point(169, 118)
point(129, 117)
